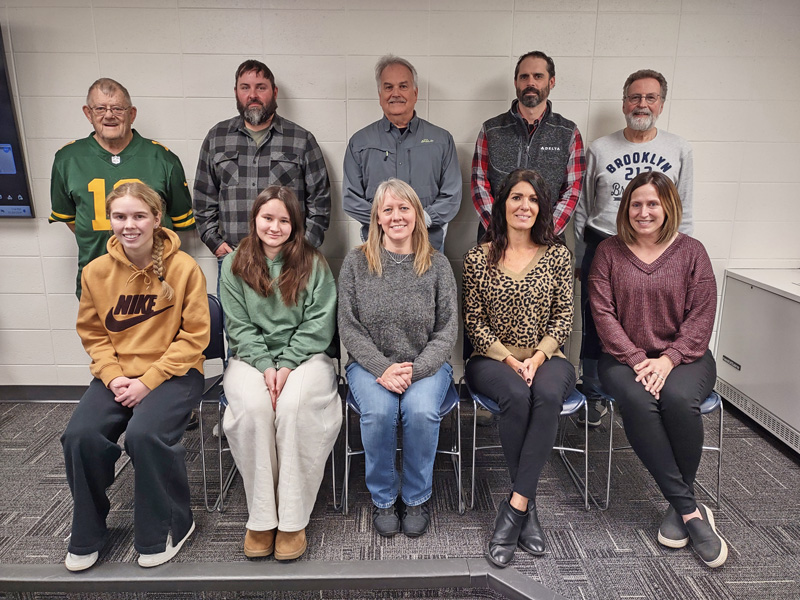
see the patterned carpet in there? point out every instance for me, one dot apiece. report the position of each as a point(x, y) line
point(591, 555)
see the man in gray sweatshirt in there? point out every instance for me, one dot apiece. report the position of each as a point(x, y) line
point(611, 162)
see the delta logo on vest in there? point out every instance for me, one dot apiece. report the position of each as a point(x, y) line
point(138, 308)
point(550, 149)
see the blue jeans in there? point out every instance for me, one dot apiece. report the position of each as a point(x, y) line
point(418, 409)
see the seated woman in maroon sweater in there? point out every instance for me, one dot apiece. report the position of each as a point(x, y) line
point(653, 296)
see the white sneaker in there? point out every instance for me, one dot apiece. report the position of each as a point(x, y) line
point(159, 558)
point(80, 562)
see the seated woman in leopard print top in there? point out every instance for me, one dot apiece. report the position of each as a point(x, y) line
point(517, 313)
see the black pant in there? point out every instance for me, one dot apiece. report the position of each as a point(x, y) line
point(528, 415)
point(666, 434)
point(153, 431)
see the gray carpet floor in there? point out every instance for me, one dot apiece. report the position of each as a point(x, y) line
point(591, 555)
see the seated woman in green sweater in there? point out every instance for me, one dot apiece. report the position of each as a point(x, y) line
point(284, 412)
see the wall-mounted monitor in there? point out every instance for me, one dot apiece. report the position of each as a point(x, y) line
point(15, 193)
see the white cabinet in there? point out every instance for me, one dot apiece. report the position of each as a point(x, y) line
point(758, 348)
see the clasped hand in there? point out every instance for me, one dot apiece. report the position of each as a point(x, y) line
point(275, 379)
point(528, 367)
point(128, 392)
point(397, 377)
point(652, 374)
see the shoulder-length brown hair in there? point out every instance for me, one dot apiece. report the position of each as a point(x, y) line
point(543, 230)
point(298, 255)
point(670, 202)
point(421, 247)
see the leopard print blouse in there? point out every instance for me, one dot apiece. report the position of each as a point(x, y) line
point(508, 313)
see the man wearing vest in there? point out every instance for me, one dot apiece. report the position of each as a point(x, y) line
point(529, 136)
point(611, 162)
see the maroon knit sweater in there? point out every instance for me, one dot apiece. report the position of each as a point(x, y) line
point(664, 308)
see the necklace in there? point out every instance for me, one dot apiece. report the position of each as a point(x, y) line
point(394, 256)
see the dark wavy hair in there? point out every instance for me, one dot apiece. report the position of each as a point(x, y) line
point(542, 232)
point(298, 254)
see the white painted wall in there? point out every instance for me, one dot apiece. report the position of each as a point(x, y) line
point(731, 66)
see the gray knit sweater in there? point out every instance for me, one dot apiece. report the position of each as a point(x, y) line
point(397, 317)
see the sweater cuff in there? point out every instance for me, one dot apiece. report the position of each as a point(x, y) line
point(675, 356)
point(548, 345)
point(498, 351)
point(153, 378)
point(377, 365)
point(635, 358)
point(110, 373)
point(285, 362)
point(262, 364)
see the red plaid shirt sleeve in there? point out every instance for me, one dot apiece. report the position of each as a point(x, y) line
point(480, 188)
point(571, 187)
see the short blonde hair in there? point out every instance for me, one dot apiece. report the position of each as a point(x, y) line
point(423, 251)
point(670, 202)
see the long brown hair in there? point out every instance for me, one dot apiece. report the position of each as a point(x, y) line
point(423, 251)
point(142, 191)
point(298, 255)
point(542, 232)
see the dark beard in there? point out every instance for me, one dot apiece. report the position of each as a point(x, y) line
point(257, 115)
point(533, 100)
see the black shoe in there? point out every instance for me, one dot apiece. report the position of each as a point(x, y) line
point(385, 521)
point(597, 410)
point(193, 422)
point(672, 532)
point(507, 526)
point(415, 520)
point(531, 537)
point(707, 543)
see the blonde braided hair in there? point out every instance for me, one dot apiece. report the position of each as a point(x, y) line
point(158, 263)
point(151, 198)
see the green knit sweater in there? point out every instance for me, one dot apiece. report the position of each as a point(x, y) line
point(264, 332)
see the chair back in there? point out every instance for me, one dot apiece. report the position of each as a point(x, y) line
point(216, 343)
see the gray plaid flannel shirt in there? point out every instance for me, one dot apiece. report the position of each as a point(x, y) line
point(232, 171)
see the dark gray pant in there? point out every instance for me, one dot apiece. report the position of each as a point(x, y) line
point(153, 431)
point(528, 415)
point(666, 434)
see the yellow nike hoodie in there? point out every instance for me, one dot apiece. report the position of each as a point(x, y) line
point(129, 329)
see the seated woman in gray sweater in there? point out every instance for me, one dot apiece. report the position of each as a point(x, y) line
point(398, 320)
point(284, 412)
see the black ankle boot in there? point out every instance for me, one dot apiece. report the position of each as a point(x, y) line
point(504, 540)
point(531, 538)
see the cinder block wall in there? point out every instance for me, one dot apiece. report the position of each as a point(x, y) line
point(731, 66)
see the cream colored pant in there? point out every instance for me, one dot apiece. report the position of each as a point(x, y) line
point(281, 454)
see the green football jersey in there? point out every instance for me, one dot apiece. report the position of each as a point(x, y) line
point(83, 175)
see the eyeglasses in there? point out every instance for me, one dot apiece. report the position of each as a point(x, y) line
point(117, 111)
point(637, 98)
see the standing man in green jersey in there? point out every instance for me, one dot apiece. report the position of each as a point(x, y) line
point(86, 170)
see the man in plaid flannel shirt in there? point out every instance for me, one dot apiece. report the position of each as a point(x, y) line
point(243, 155)
point(529, 136)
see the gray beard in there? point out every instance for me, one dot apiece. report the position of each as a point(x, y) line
point(257, 115)
point(641, 122)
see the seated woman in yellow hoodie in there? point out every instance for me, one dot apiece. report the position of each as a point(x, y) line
point(143, 320)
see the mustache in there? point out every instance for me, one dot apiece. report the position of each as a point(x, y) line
point(530, 89)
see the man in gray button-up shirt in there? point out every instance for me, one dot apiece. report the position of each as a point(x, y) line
point(404, 146)
point(242, 156)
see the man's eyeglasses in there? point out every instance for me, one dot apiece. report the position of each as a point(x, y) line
point(117, 111)
point(637, 98)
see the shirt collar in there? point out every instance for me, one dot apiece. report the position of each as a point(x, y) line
point(386, 124)
point(239, 125)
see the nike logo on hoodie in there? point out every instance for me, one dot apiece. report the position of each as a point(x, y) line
point(142, 304)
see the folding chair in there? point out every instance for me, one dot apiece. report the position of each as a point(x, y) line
point(451, 401)
point(574, 402)
point(709, 405)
